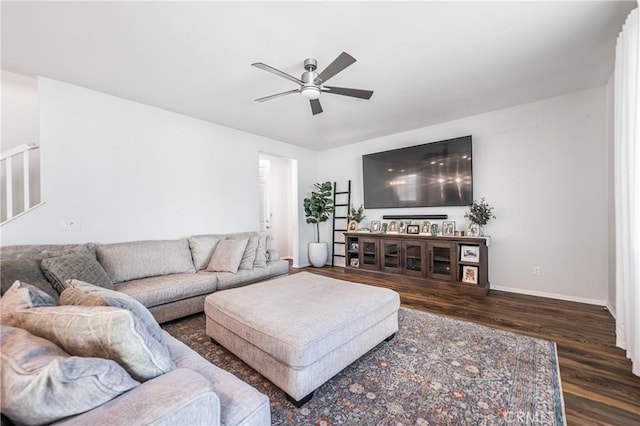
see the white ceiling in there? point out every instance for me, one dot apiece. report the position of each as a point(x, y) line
point(427, 62)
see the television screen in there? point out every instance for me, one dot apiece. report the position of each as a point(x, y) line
point(430, 175)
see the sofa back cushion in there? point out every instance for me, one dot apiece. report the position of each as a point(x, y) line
point(24, 263)
point(140, 259)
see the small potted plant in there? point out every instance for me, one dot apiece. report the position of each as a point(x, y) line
point(318, 208)
point(356, 215)
point(479, 214)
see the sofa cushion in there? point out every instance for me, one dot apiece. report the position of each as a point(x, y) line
point(41, 383)
point(75, 266)
point(155, 291)
point(23, 263)
point(22, 295)
point(85, 294)
point(243, 277)
point(241, 403)
point(202, 247)
point(228, 255)
point(25, 269)
point(141, 259)
point(103, 332)
point(249, 255)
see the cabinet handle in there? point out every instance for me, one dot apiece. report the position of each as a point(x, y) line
point(430, 260)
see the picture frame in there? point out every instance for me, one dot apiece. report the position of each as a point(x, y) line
point(473, 230)
point(448, 228)
point(375, 226)
point(413, 229)
point(384, 228)
point(355, 262)
point(353, 245)
point(353, 226)
point(402, 228)
point(470, 274)
point(425, 227)
point(393, 227)
point(469, 254)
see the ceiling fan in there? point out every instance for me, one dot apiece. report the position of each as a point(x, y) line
point(312, 84)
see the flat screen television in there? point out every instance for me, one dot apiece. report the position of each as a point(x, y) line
point(434, 174)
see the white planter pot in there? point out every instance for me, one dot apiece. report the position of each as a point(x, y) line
point(318, 254)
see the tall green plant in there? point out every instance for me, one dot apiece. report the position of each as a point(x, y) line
point(319, 206)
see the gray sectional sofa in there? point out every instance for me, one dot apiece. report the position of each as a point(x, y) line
point(171, 278)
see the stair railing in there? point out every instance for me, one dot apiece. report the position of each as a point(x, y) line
point(7, 159)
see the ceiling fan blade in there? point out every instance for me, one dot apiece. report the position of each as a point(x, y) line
point(315, 106)
point(277, 95)
point(340, 63)
point(355, 93)
point(277, 72)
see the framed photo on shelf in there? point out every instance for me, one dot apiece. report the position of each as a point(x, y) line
point(402, 227)
point(393, 227)
point(425, 227)
point(413, 229)
point(448, 228)
point(375, 226)
point(469, 254)
point(384, 228)
point(353, 226)
point(473, 230)
point(469, 274)
point(355, 262)
point(353, 245)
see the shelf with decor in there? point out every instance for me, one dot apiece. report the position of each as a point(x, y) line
point(458, 263)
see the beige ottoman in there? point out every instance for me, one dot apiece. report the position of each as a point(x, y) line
point(300, 330)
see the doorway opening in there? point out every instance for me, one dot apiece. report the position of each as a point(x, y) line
point(278, 185)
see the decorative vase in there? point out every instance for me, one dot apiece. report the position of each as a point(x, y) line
point(318, 254)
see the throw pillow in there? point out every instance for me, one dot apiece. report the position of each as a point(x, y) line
point(249, 255)
point(41, 383)
point(102, 332)
point(227, 255)
point(202, 247)
point(85, 294)
point(75, 266)
point(22, 296)
point(25, 269)
point(261, 252)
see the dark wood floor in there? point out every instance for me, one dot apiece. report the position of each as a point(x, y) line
point(597, 382)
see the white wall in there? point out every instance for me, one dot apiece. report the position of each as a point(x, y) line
point(129, 171)
point(19, 110)
point(543, 166)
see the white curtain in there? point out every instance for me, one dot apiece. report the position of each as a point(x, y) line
point(627, 189)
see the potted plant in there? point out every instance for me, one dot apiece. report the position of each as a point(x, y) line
point(317, 208)
point(357, 215)
point(480, 213)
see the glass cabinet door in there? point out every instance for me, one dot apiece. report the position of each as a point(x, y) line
point(369, 254)
point(442, 261)
point(414, 258)
point(391, 256)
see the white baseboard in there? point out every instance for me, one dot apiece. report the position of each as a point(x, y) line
point(611, 310)
point(597, 302)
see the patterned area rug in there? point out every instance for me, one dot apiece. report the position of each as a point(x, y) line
point(436, 371)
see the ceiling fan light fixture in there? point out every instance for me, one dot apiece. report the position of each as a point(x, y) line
point(310, 92)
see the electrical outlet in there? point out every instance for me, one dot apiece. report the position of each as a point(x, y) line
point(536, 270)
point(71, 224)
